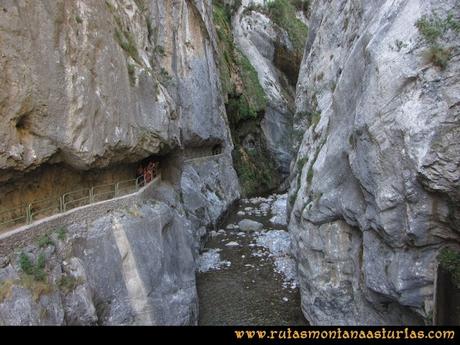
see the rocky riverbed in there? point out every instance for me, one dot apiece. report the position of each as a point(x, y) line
point(246, 272)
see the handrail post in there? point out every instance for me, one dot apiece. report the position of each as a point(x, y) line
point(29, 214)
point(91, 195)
point(61, 204)
point(116, 189)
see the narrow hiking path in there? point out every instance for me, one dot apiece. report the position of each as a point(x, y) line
point(247, 276)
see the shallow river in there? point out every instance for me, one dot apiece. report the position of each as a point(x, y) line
point(248, 276)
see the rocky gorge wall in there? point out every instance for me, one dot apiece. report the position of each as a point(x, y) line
point(95, 85)
point(375, 185)
point(261, 46)
point(91, 84)
point(91, 88)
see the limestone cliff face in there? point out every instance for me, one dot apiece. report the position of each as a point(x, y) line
point(375, 185)
point(103, 84)
point(91, 84)
point(121, 269)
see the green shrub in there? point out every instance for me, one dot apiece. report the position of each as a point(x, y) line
point(310, 170)
point(45, 241)
point(255, 171)
point(253, 91)
point(62, 233)
point(301, 5)
point(34, 270)
point(25, 264)
point(131, 73)
point(310, 175)
point(226, 47)
point(301, 162)
point(283, 13)
point(430, 28)
point(126, 41)
point(314, 118)
point(433, 29)
point(252, 99)
point(450, 261)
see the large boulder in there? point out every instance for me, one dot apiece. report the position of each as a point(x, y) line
point(250, 225)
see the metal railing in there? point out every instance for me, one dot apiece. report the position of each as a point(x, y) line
point(201, 158)
point(27, 213)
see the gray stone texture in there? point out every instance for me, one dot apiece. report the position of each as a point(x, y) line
point(92, 84)
point(257, 37)
point(375, 185)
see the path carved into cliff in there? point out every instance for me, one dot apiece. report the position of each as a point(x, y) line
point(247, 276)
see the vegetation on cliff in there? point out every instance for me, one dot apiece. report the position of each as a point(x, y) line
point(434, 31)
point(246, 103)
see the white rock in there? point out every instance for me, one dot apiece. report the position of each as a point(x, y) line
point(279, 209)
point(250, 225)
point(264, 207)
point(210, 260)
point(278, 242)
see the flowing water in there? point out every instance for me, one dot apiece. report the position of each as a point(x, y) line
point(248, 277)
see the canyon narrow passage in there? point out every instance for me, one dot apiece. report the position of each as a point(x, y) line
point(246, 274)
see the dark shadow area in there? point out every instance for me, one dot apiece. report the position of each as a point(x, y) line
point(447, 300)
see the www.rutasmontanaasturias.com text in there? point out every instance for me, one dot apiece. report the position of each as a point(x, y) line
point(346, 334)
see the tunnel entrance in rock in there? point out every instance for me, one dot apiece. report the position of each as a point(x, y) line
point(217, 149)
point(56, 188)
point(148, 168)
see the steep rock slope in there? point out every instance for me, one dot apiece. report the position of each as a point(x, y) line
point(261, 47)
point(264, 42)
point(104, 84)
point(375, 186)
point(120, 269)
